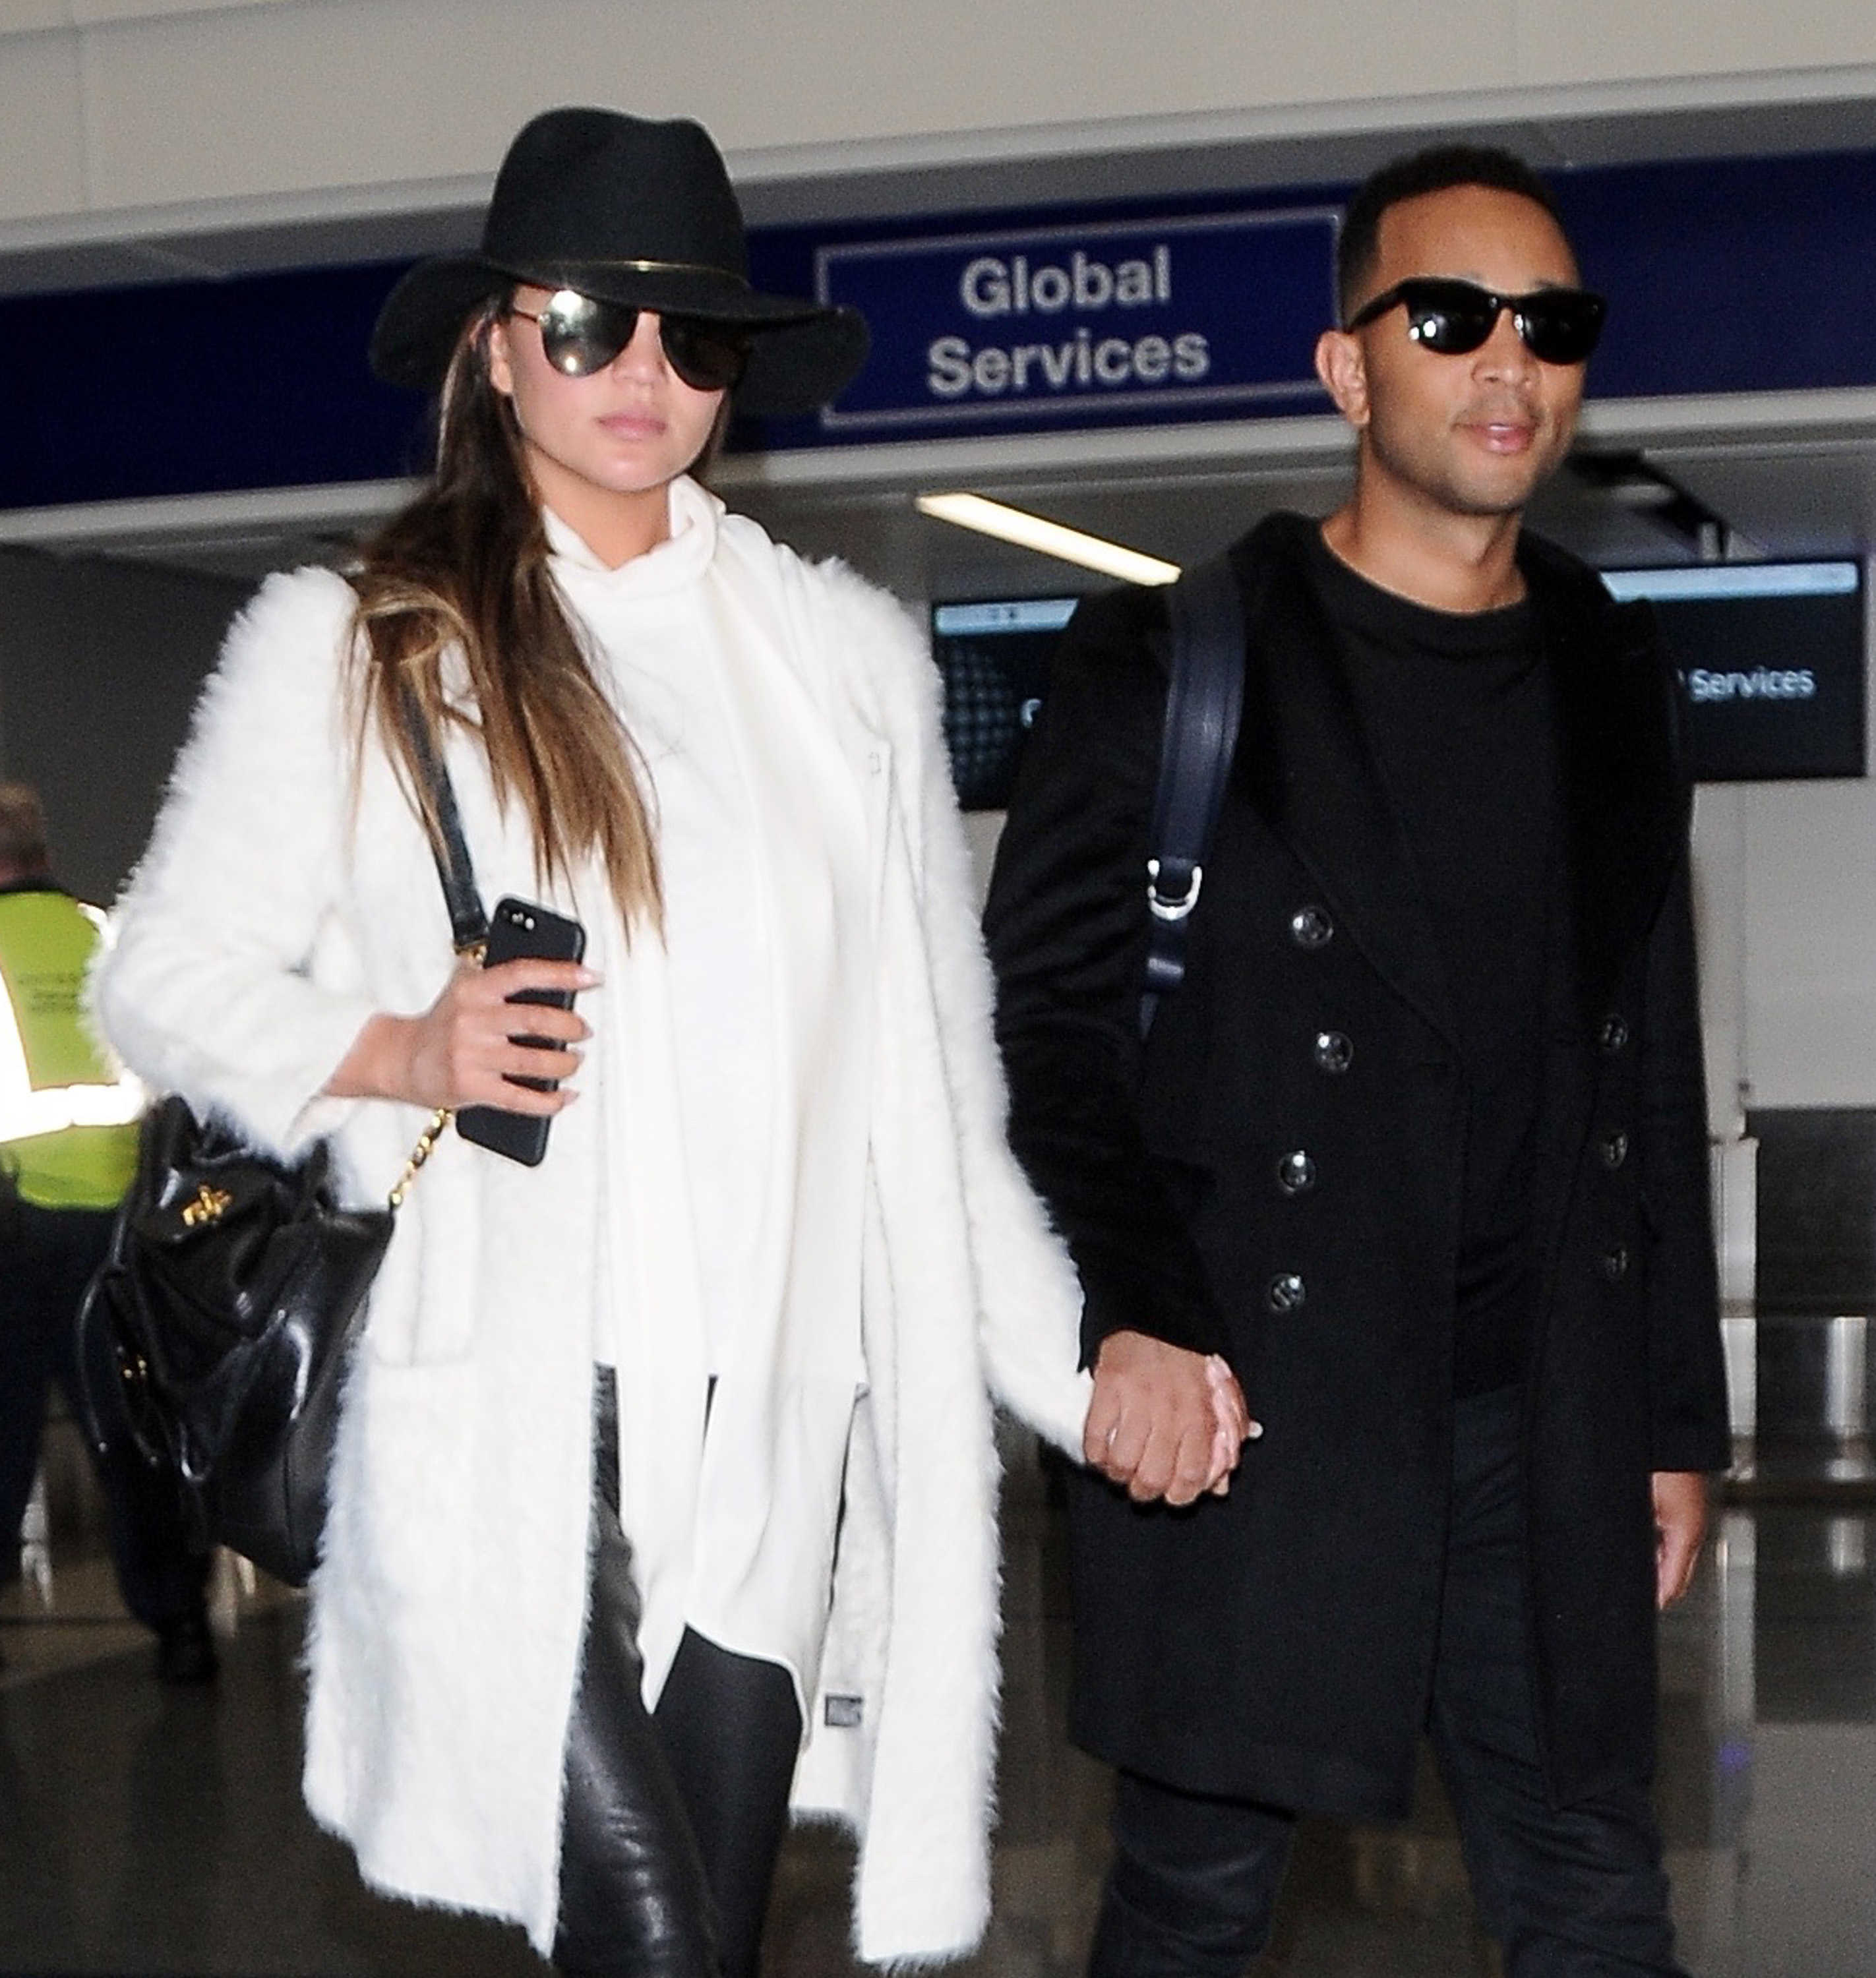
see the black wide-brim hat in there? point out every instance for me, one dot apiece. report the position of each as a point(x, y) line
point(625, 210)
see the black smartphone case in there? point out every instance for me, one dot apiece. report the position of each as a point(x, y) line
point(518, 929)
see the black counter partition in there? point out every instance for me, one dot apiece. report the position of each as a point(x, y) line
point(1773, 657)
point(994, 660)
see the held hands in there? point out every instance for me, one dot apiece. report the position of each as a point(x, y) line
point(1165, 1422)
point(466, 1049)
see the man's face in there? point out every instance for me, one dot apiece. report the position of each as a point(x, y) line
point(1473, 435)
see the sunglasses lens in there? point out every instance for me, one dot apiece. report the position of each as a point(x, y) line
point(1561, 327)
point(707, 357)
point(1449, 317)
point(581, 336)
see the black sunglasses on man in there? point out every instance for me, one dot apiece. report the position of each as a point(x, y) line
point(1452, 317)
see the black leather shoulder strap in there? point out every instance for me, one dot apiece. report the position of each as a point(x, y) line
point(1204, 701)
point(468, 925)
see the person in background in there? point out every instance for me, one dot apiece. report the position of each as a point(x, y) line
point(1419, 1147)
point(67, 1149)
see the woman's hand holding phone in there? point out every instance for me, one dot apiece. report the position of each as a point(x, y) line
point(465, 1049)
point(522, 930)
point(468, 1048)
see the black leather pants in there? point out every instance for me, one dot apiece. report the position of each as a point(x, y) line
point(672, 1822)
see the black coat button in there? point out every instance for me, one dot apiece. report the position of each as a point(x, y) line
point(1286, 1292)
point(1310, 926)
point(1296, 1173)
point(1335, 1052)
point(1616, 1263)
point(1614, 1149)
point(1613, 1035)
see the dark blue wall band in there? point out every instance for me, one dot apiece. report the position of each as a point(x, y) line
point(198, 387)
point(1735, 275)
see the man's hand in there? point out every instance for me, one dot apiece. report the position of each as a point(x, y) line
point(1680, 1525)
point(1164, 1422)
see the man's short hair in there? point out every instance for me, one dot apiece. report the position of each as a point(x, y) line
point(22, 829)
point(1439, 169)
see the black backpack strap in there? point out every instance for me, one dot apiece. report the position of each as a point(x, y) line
point(1204, 700)
point(468, 925)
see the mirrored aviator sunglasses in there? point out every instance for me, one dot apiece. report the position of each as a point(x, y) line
point(581, 334)
point(1452, 316)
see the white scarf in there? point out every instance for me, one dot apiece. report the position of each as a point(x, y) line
point(725, 1533)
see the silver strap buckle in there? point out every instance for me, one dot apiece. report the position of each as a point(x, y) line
point(1163, 908)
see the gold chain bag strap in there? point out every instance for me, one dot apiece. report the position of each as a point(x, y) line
point(216, 1334)
point(468, 923)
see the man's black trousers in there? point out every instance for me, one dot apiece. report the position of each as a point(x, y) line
point(1574, 1893)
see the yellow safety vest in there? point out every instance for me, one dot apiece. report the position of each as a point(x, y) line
point(67, 1115)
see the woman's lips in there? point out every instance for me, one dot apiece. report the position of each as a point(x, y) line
point(633, 426)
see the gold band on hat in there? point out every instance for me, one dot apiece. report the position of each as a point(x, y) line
point(664, 268)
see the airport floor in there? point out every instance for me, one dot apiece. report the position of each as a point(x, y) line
point(147, 1829)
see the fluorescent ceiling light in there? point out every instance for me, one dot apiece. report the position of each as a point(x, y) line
point(1034, 532)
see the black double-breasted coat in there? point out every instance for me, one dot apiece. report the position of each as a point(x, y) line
point(1278, 1643)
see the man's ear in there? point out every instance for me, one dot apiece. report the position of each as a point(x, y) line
point(1343, 369)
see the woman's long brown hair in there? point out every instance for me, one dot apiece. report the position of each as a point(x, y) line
point(465, 569)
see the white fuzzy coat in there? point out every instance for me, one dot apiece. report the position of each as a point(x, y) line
point(266, 923)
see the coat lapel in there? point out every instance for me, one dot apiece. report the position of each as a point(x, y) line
point(1305, 766)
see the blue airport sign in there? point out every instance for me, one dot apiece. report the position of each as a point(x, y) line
point(1218, 312)
point(1726, 276)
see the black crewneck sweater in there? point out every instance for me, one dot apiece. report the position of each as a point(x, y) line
point(1456, 709)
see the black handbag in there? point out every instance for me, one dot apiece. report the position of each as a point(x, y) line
point(230, 1298)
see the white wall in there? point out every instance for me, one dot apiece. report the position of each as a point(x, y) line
point(1786, 896)
point(1811, 947)
point(118, 107)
